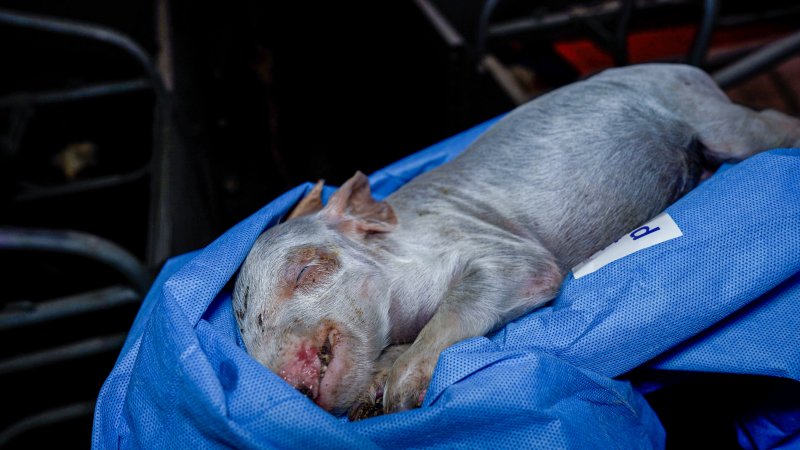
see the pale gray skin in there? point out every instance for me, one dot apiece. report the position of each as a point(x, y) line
point(465, 248)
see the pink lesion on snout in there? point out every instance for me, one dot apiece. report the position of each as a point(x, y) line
point(316, 365)
point(303, 371)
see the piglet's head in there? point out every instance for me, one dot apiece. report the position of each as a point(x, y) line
point(311, 298)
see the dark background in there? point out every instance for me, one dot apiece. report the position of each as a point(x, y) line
point(257, 97)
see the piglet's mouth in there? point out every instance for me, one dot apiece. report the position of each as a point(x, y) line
point(325, 354)
point(336, 355)
point(318, 368)
point(324, 357)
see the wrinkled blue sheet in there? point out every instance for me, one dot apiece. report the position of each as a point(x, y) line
point(724, 297)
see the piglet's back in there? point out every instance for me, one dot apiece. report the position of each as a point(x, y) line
point(561, 168)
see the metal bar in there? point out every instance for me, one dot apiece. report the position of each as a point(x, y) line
point(96, 90)
point(530, 24)
point(77, 187)
point(160, 223)
point(85, 30)
point(621, 33)
point(717, 60)
point(45, 418)
point(505, 79)
point(31, 313)
point(758, 61)
point(760, 16)
point(484, 31)
point(702, 40)
point(440, 23)
point(62, 353)
point(79, 244)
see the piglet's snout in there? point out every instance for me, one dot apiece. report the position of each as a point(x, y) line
point(303, 370)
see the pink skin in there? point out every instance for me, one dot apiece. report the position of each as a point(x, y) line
point(332, 380)
point(303, 371)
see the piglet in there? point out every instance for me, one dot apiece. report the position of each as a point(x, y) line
point(353, 302)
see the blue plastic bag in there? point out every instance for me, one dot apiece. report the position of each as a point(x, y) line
point(724, 297)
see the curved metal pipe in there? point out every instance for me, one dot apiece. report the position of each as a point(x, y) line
point(82, 349)
point(89, 31)
point(97, 90)
point(159, 222)
point(49, 417)
point(21, 314)
point(80, 244)
point(39, 193)
point(702, 40)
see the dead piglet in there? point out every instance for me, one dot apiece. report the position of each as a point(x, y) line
point(463, 249)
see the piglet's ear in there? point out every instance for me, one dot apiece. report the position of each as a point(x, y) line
point(352, 208)
point(310, 204)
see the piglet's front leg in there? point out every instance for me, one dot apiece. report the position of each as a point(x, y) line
point(408, 380)
point(370, 403)
point(491, 292)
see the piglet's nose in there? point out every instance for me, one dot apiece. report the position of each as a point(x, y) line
point(303, 370)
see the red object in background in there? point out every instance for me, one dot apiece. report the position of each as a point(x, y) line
point(653, 45)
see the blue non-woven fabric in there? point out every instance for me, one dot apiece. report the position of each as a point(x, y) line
point(773, 423)
point(545, 380)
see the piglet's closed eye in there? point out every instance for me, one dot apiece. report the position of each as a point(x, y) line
point(310, 266)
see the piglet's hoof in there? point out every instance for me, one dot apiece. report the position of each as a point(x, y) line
point(365, 409)
point(407, 383)
point(370, 403)
point(406, 403)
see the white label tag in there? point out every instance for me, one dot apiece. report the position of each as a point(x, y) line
point(661, 229)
